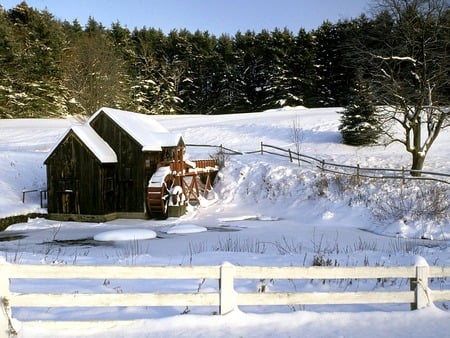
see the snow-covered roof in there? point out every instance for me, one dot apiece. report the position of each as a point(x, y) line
point(148, 132)
point(95, 143)
point(101, 150)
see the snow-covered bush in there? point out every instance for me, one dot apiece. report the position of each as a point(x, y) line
point(221, 157)
point(411, 209)
point(419, 204)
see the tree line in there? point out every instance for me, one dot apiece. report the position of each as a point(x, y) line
point(50, 67)
point(397, 59)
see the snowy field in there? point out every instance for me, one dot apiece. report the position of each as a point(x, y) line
point(264, 211)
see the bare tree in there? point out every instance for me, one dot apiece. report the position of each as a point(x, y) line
point(95, 74)
point(410, 70)
point(297, 136)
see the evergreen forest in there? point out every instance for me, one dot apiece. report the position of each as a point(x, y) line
point(51, 68)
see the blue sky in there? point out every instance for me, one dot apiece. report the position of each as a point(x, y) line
point(214, 16)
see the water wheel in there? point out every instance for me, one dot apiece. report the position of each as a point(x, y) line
point(158, 194)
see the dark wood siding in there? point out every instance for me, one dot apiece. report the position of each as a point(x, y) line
point(79, 183)
point(76, 180)
point(130, 172)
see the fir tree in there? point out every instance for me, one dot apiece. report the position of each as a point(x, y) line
point(32, 78)
point(360, 124)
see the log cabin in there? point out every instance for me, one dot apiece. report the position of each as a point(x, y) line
point(100, 170)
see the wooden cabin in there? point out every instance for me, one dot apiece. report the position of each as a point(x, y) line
point(100, 170)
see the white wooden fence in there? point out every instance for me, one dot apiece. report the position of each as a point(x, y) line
point(226, 298)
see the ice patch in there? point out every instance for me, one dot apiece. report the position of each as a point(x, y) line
point(248, 218)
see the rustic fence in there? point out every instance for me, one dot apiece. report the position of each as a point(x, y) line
point(226, 298)
point(336, 168)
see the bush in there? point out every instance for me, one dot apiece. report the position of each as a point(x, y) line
point(420, 202)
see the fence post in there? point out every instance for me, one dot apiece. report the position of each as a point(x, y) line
point(227, 294)
point(262, 148)
point(5, 311)
point(422, 294)
point(421, 287)
point(358, 178)
point(290, 155)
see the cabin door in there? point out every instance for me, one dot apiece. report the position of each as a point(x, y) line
point(68, 197)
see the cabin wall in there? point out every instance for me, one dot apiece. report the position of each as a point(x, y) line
point(79, 184)
point(131, 176)
point(76, 182)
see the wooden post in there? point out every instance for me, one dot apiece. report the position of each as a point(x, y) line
point(5, 310)
point(422, 294)
point(262, 148)
point(358, 178)
point(227, 293)
point(412, 287)
point(208, 185)
point(290, 155)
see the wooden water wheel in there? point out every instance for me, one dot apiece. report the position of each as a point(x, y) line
point(158, 192)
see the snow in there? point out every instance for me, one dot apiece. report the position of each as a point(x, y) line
point(125, 235)
point(157, 179)
point(143, 128)
point(264, 211)
point(186, 229)
point(420, 261)
point(87, 135)
point(176, 190)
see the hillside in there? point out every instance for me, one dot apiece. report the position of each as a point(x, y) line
point(264, 211)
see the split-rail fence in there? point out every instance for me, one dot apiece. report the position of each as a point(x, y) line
point(356, 170)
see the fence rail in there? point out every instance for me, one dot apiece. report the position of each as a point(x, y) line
point(336, 168)
point(226, 298)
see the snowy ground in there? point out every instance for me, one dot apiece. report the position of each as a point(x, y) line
point(265, 211)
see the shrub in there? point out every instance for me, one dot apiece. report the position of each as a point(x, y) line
point(419, 202)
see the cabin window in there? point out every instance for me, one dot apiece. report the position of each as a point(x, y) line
point(167, 154)
point(67, 185)
point(148, 164)
point(127, 174)
point(109, 184)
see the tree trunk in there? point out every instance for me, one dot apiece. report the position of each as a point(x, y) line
point(417, 165)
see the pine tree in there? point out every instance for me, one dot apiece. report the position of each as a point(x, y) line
point(281, 88)
point(359, 124)
point(334, 62)
point(225, 76)
point(32, 76)
point(247, 73)
point(158, 73)
point(303, 67)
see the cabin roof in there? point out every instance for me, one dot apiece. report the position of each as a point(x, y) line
point(148, 132)
point(95, 143)
point(101, 150)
